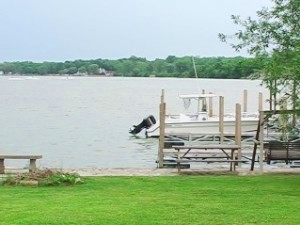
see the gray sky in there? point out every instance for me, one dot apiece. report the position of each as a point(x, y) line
point(59, 30)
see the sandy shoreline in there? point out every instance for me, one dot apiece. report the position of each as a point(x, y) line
point(174, 172)
point(166, 171)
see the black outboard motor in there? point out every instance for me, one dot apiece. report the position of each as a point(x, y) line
point(145, 124)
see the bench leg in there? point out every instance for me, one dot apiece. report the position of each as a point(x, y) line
point(232, 166)
point(32, 165)
point(268, 160)
point(178, 163)
point(2, 168)
point(178, 167)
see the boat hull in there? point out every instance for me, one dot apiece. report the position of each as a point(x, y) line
point(203, 128)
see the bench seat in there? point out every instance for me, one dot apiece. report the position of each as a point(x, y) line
point(286, 151)
point(209, 161)
point(20, 156)
point(202, 153)
point(32, 161)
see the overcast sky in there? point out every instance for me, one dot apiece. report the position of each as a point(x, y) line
point(59, 30)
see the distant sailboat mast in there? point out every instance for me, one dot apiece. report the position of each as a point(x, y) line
point(195, 70)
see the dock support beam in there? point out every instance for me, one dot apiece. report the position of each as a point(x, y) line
point(162, 116)
point(245, 101)
point(2, 168)
point(221, 119)
point(210, 106)
point(238, 132)
point(261, 132)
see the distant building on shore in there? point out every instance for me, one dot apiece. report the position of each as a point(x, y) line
point(109, 73)
point(105, 72)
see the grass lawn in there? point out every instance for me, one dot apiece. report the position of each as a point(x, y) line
point(182, 200)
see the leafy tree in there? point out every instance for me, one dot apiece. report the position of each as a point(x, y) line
point(82, 70)
point(275, 36)
point(137, 59)
point(170, 68)
point(8, 68)
point(183, 65)
point(93, 69)
point(171, 59)
point(42, 69)
point(128, 67)
point(136, 72)
point(149, 68)
point(72, 70)
point(159, 67)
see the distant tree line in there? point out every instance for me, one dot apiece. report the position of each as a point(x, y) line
point(172, 66)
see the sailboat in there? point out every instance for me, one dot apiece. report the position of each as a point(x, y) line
point(194, 65)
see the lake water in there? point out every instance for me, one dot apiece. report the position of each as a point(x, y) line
point(83, 122)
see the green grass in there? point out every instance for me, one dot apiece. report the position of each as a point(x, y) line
point(178, 200)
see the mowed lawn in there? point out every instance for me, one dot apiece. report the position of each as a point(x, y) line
point(272, 199)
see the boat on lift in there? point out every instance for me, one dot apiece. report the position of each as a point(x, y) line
point(201, 121)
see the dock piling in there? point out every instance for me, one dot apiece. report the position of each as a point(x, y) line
point(162, 115)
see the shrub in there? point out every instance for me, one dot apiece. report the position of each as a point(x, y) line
point(45, 177)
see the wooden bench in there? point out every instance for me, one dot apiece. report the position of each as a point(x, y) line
point(286, 151)
point(32, 161)
point(233, 163)
point(185, 157)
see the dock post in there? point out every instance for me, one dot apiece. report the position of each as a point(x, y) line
point(261, 140)
point(2, 167)
point(162, 116)
point(238, 132)
point(261, 131)
point(271, 99)
point(245, 101)
point(210, 106)
point(283, 118)
point(204, 103)
point(221, 119)
point(260, 101)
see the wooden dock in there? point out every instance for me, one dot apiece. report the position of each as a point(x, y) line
point(194, 152)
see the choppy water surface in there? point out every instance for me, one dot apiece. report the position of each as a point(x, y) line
point(83, 122)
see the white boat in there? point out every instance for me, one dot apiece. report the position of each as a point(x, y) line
point(32, 78)
point(201, 122)
point(15, 78)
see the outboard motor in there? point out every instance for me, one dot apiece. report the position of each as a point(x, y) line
point(145, 124)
